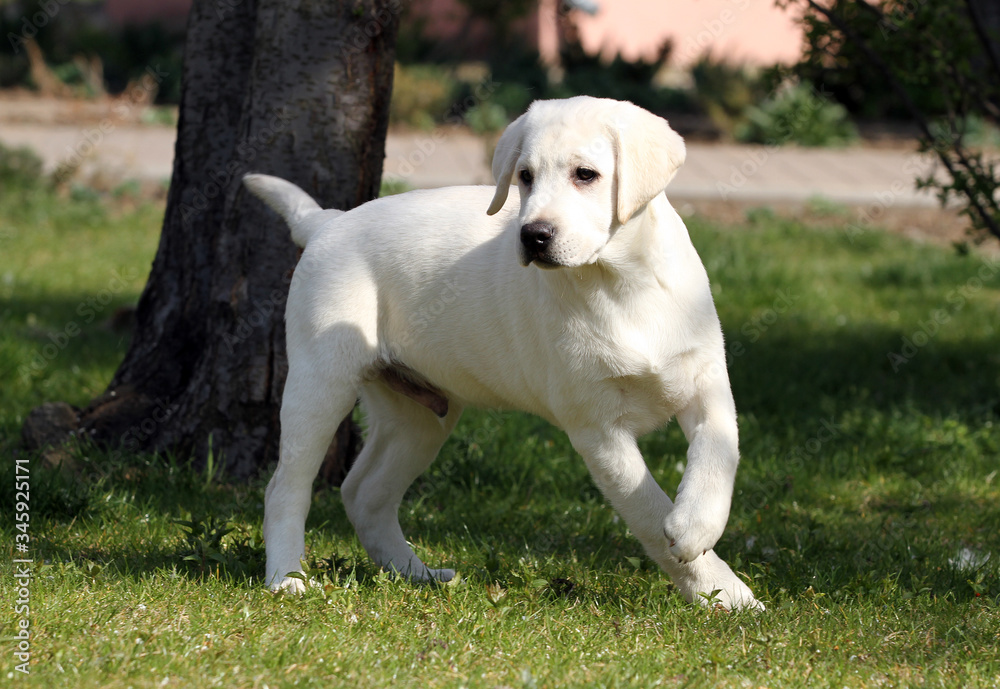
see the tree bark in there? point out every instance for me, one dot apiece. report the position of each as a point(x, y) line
point(299, 89)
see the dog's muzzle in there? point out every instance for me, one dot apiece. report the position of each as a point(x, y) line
point(536, 239)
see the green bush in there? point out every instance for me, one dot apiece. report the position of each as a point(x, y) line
point(484, 104)
point(513, 97)
point(390, 187)
point(621, 79)
point(934, 63)
point(421, 95)
point(522, 73)
point(977, 131)
point(898, 30)
point(487, 117)
point(724, 91)
point(425, 96)
point(797, 115)
point(20, 168)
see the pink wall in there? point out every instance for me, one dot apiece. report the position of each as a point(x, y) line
point(449, 20)
point(753, 31)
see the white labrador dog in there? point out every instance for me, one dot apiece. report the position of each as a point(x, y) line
point(585, 303)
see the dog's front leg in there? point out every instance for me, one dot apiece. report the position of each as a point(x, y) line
point(705, 492)
point(618, 469)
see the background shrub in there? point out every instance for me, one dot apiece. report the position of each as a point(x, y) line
point(20, 168)
point(724, 91)
point(621, 79)
point(797, 115)
point(421, 95)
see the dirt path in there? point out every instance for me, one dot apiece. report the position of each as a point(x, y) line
point(110, 144)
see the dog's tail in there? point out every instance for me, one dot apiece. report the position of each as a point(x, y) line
point(292, 204)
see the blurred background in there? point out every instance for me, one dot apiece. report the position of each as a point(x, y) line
point(726, 73)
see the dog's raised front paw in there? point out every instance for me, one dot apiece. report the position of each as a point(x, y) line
point(692, 532)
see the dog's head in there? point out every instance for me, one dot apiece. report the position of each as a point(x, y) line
point(583, 167)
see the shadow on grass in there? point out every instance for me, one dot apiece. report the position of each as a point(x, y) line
point(57, 349)
point(783, 384)
point(64, 329)
point(798, 376)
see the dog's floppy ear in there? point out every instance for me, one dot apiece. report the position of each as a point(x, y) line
point(648, 155)
point(504, 160)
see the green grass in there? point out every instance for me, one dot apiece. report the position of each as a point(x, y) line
point(863, 478)
point(66, 265)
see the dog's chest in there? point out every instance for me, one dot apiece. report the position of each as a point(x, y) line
point(640, 372)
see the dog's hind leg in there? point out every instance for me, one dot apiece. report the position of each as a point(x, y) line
point(403, 439)
point(311, 410)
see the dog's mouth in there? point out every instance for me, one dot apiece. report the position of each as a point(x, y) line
point(540, 259)
point(545, 264)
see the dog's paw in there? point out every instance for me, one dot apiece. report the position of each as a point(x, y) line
point(692, 532)
point(428, 574)
point(735, 597)
point(710, 582)
point(441, 575)
point(291, 585)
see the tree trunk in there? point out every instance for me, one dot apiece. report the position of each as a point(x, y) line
point(299, 89)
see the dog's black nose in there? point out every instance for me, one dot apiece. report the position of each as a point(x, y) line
point(536, 237)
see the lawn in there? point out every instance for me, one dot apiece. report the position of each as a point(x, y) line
point(867, 373)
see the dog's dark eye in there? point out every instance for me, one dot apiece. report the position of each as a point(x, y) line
point(586, 174)
point(526, 177)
